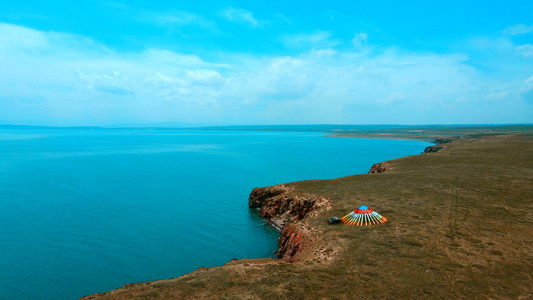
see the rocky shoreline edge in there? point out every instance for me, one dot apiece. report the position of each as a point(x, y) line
point(283, 208)
point(442, 239)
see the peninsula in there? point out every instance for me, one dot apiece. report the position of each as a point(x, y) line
point(460, 225)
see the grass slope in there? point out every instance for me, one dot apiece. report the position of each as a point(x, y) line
point(460, 226)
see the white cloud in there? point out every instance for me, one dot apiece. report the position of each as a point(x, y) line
point(282, 17)
point(525, 50)
point(527, 90)
point(171, 19)
point(499, 44)
point(318, 39)
point(324, 52)
point(393, 97)
point(517, 29)
point(64, 79)
point(360, 39)
point(497, 95)
point(240, 16)
point(13, 35)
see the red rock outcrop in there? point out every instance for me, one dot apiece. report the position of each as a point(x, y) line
point(278, 202)
point(290, 243)
point(259, 195)
point(380, 168)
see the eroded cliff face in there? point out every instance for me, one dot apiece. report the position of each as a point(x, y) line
point(433, 149)
point(290, 243)
point(278, 202)
point(260, 195)
point(380, 168)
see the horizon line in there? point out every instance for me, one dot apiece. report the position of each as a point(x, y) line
point(13, 126)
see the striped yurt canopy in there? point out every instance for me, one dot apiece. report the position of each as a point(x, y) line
point(363, 216)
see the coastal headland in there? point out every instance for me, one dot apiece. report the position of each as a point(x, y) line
point(460, 226)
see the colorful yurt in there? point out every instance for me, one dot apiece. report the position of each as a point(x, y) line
point(363, 216)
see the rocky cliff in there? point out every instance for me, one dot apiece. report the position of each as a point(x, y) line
point(380, 168)
point(277, 202)
point(432, 149)
point(290, 243)
point(280, 203)
point(442, 240)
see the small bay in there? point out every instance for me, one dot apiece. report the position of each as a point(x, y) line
point(89, 210)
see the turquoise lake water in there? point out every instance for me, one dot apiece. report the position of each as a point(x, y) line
point(88, 210)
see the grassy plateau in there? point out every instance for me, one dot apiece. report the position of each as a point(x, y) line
point(460, 225)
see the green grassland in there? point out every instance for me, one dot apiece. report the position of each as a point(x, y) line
point(460, 226)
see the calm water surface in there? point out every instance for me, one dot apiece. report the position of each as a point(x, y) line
point(89, 210)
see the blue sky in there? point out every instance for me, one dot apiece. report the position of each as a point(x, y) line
point(265, 62)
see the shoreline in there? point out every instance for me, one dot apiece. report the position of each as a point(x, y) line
point(276, 223)
point(279, 224)
point(414, 165)
point(388, 137)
